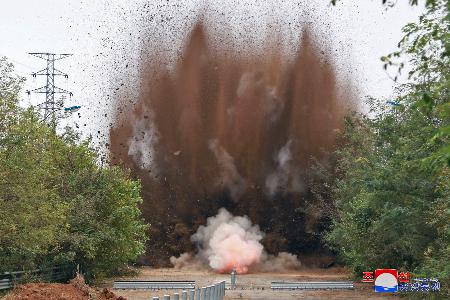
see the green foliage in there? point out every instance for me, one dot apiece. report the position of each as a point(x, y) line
point(383, 192)
point(105, 205)
point(57, 205)
point(392, 192)
point(428, 3)
point(9, 88)
point(427, 45)
point(392, 211)
point(392, 187)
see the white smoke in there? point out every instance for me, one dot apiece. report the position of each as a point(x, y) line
point(278, 263)
point(272, 104)
point(229, 175)
point(187, 261)
point(228, 242)
point(285, 178)
point(249, 83)
point(141, 144)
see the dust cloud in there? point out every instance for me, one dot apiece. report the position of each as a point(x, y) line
point(229, 242)
point(234, 131)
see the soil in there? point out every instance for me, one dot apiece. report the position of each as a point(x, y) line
point(254, 286)
point(77, 289)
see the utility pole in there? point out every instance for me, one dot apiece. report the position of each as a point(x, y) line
point(50, 107)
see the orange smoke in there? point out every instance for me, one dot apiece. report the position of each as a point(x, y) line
point(233, 265)
point(228, 242)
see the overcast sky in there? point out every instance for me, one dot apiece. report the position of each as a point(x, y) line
point(102, 34)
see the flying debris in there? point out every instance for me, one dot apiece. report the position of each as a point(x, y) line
point(72, 108)
point(393, 103)
point(213, 126)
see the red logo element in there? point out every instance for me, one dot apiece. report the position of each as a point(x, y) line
point(386, 280)
point(378, 272)
point(403, 277)
point(367, 277)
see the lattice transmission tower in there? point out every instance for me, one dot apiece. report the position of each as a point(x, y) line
point(50, 106)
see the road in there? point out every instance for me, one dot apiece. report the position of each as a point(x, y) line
point(255, 286)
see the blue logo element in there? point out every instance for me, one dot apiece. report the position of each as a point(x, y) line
point(382, 289)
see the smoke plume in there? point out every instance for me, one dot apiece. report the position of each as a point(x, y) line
point(221, 128)
point(228, 242)
point(285, 178)
point(140, 145)
point(229, 177)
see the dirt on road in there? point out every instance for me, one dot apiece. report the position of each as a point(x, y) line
point(254, 286)
point(75, 290)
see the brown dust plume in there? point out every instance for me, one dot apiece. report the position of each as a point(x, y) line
point(232, 131)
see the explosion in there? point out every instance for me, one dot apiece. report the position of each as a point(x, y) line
point(228, 242)
point(236, 131)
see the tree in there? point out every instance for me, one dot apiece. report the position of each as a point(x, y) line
point(392, 188)
point(28, 226)
point(385, 198)
point(428, 3)
point(57, 204)
point(427, 43)
point(10, 86)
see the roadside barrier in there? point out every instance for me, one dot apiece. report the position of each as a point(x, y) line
point(317, 285)
point(211, 292)
point(154, 285)
point(57, 274)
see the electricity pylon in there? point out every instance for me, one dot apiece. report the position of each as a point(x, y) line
point(50, 107)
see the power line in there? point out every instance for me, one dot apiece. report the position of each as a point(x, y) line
point(17, 62)
point(50, 107)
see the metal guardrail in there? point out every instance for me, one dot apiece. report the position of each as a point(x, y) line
point(5, 284)
point(311, 285)
point(155, 285)
point(211, 292)
point(10, 279)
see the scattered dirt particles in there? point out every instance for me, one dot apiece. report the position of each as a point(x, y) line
point(233, 131)
point(77, 289)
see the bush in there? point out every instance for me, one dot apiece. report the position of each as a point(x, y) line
point(57, 204)
point(393, 211)
point(392, 187)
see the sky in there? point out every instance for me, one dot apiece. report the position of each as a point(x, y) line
point(104, 36)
